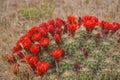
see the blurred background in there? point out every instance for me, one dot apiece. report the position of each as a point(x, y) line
point(17, 16)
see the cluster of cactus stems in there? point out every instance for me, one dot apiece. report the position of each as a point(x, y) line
point(57, 38)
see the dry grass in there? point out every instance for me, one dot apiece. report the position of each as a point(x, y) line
point(12, 24)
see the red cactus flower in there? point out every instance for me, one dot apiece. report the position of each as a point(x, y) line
point(51, 22)
point(36, 37)
point(26, 43)
point(44, 25)
point(43, 31)
point(106, 25)
point(41, 67)
point(72, 28)
point(24, 37)
point(56, 53)
point(115, 27)
point(57, 39)
point(58, 22)
point(58, 31)
point(35, 48)
point(32, 30)
point(51, 29)
point(20, 54)
point(10, 58)
point(44, 42)
point(16, 48)
point(33, 61)
point(71, 19)
point(89, 22)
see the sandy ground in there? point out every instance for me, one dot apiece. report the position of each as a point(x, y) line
point(12, 25)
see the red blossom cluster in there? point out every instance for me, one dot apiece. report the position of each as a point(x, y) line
point(108, 27)
point(41, 67)
point(56, 54)
point(89, 22)
point(28, 48)
point(72, 24)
